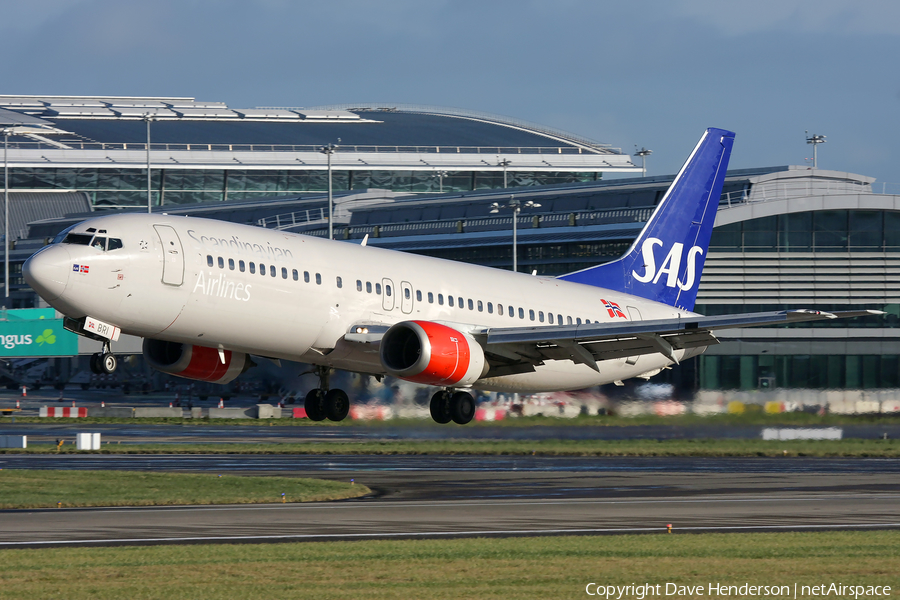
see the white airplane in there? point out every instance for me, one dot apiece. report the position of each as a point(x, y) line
point(206, 295)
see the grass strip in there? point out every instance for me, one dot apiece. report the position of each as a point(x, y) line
point(44, 489)
point(700, 448)
point(475, 569)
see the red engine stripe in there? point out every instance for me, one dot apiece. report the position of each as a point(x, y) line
point(205, 364)
point(449, 355)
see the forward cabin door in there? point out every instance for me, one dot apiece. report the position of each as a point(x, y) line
point(173, 255)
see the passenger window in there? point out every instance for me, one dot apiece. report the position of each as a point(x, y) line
point(209, 260)
point(531, 314)
point(578, 320)
point(252, 268)
point(460, 301)
point(306, 276)
point(550, 318)
point(480, 306)
point(440, 299)
point(430, 298)
point(512, 312)
point(418, 296)
point(387, 290)
point(449, 300)
point(568, 320)
point(340, 282)
point(262, 269)
point(490, 308)
point(471, 305)
point(114, 244)
point(521, 313)
point(284, 272)
point(241, 265)
point(221, 263)
point(541, 316)
point(318, 279)
point(368, 287)
point(378, 288)
point(358, 285)
point(271, 270)
point(295, 274)
point(231, 264)
point(499, 309)
point(559, 319)
point(406, 293)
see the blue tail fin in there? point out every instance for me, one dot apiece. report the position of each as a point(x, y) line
point(665, 262)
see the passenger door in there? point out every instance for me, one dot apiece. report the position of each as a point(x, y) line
point(173, 255)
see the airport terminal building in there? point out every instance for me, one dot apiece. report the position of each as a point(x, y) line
point(431, 181)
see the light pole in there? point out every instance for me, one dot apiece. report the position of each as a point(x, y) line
point(504, 163)
point(815, 140)
point(643, 153)
point(6, 218)
point(328, 151)
point(440, 177)
point(516, 207)
point(149, 117)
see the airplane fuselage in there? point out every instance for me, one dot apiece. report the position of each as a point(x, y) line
point(294, 297)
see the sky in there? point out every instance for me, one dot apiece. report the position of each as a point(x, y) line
point(649, 74)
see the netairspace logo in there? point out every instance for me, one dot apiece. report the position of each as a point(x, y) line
point(746, 590)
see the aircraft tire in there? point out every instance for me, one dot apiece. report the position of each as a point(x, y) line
point(315, 405)
point(108, 363)
point(337, 405)
point(95, 363)
point(440, 407)
point(462, 407)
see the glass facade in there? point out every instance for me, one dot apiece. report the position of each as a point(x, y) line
point(818, 231)
point(128, 187)
point(799, 371)
point(548, 260)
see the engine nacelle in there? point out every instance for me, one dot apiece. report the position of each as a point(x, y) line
point(432, 354)
point(195, 362)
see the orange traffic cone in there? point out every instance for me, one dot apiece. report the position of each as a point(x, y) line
point(221, 403)
point(24, 392)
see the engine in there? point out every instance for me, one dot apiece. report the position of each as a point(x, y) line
point(195, 362)
point(432, 354)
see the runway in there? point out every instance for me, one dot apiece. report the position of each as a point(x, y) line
point(418, 497)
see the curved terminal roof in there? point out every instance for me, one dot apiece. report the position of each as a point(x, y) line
point(190, 134)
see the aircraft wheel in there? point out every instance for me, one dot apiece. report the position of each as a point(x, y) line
point(95, 363)
point(108, 363)
point(337, 405)
point(315, 405)
point(462, 407)
point(440, 407)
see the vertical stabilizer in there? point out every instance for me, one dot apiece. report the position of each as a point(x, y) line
point(665, 262)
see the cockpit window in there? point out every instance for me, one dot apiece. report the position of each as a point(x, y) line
point(99, 243)
point(114, 244)
point(79, 239)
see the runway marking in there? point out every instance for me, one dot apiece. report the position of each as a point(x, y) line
point(401, 504)
point(325, 536)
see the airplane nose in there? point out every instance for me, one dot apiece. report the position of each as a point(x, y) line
point(47, 272)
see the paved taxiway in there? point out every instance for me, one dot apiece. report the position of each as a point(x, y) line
point(423, 496)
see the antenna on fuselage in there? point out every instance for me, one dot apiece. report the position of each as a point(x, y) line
point(365, 240)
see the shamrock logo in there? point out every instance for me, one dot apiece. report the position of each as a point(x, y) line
point(47, 337)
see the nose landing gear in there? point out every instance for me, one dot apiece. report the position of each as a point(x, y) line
point(105, 362)
point(322, 403)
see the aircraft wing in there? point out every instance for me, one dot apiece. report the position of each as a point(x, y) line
point(519, 349)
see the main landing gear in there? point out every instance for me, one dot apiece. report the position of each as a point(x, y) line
point(448, 405)
point(322, 403)
point(105, 362)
